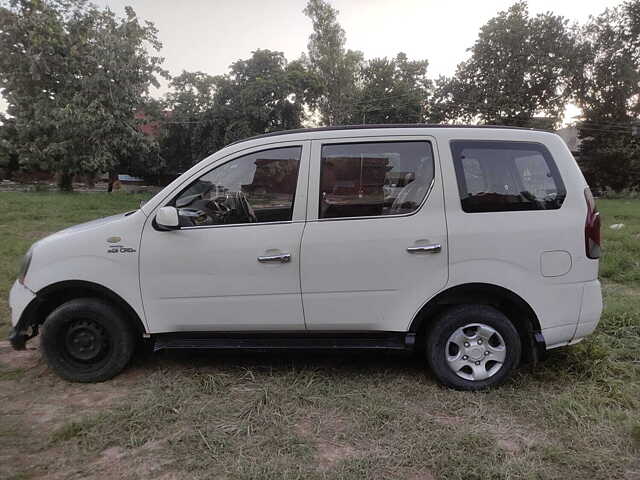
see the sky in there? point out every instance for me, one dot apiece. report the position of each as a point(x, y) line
point(209, 35)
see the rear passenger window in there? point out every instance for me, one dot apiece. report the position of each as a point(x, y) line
point(374, 179)
point(506, 176)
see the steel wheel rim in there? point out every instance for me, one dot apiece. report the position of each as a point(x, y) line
point(475, 352)
point(85, 341)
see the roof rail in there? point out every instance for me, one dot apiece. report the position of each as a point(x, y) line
point(379, 125)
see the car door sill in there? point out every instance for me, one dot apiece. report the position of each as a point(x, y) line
point(285, 340)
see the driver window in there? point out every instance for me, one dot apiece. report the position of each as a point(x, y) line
point(254, 188)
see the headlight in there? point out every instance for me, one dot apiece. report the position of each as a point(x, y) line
point(26, 262)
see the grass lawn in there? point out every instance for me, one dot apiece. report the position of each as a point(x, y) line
point(314, 416)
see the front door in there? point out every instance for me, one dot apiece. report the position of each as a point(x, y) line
point(234, 263)
point(375, 245)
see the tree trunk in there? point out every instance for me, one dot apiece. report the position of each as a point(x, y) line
point(90, 180)
point(113, 178)
point(65, 182)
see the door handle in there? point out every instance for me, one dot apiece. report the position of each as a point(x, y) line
point(433, 248)
point(282, 258)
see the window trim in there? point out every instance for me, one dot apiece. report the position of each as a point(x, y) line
point(224, 225)
point(300, 194)
point(317, 158)
point(546, 154)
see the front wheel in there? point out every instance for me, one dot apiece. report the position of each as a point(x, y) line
point(472, 347)
point(87, 340)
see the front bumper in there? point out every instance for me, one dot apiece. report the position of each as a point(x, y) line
point(19, 298)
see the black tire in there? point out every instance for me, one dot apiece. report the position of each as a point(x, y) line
point(460, 316)
point(87, 340)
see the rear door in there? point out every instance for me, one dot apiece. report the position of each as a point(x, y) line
point(375, 245)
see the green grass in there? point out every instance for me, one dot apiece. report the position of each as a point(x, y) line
point(318, 416)
point(621, 262)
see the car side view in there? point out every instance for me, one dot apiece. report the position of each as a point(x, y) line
point(478, 246)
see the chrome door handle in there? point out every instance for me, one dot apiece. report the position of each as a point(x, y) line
point(433, 248)
point(282, 258)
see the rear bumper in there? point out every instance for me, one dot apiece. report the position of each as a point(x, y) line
point(587, 314)
point(590, 310)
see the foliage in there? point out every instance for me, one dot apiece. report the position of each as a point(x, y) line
point(335, 68)
point(264, 93)
point(73, 76)
point(392, 91)
point(520, 67)
point(191, 95)
point(8, 151)
point(609, 94)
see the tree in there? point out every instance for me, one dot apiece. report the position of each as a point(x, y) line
point(191, 95)
point(262, 94)
point(335, 68)
point(609, 94)
point(392, 91)
point(520, 67)
point(73, 76)
point(8, 148)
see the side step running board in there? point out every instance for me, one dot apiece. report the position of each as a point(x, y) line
point(285, 341)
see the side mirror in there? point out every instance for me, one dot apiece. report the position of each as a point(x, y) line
point(167, 218)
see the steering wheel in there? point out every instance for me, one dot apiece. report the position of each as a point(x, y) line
point(218, 207)
point(231, 208)
point(206, 212)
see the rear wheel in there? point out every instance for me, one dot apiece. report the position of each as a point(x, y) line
point(87, 340)
point(471, 347)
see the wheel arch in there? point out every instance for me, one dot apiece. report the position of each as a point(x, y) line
point(519, 312)
point(52, 296)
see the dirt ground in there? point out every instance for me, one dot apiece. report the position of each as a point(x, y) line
point(191, 415)
point(33, 417)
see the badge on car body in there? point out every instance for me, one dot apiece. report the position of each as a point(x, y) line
point(120, 249)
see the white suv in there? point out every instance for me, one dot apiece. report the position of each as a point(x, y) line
point(477, 245)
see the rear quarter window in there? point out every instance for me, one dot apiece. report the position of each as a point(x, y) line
point(501, 176)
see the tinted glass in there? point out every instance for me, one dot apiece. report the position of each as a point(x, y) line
point(258, 187)
point(506, 176)
point(373, 179)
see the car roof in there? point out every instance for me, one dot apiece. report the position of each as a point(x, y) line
point(379, 126)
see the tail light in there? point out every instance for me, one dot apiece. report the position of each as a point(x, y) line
point(592, 227)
